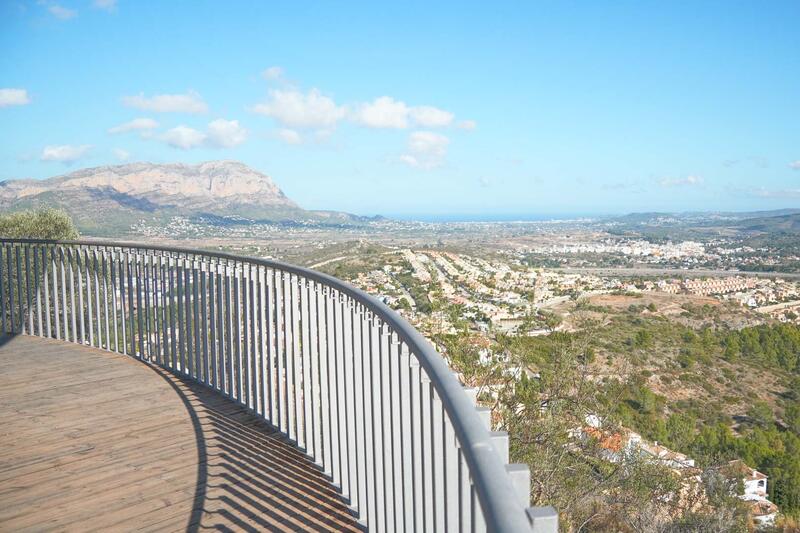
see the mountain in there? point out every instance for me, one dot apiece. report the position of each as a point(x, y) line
point(789, 223)
point(108, 200)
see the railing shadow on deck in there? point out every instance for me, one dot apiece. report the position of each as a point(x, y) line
point(256, 469)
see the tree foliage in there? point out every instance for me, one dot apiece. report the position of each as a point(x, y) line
point(38, 224)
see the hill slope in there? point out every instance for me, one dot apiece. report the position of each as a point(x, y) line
point(108, 200)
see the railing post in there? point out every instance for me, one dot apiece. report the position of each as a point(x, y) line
point(543, 519)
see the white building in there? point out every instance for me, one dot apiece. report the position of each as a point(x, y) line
point(754, 491)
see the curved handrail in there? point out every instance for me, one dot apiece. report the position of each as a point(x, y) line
point(499, 501)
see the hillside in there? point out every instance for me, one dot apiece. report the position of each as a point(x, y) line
point(108, 200)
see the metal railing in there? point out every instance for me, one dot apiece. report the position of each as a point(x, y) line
point(345, 378)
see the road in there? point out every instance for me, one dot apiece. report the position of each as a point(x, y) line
point(678, 272)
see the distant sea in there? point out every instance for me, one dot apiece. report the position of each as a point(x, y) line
point(466, 217)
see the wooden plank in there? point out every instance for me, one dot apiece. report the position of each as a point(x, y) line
point(91, 440)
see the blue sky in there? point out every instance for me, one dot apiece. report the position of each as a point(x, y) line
point(472, 110)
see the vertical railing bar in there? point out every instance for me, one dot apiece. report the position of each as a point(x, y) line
point(196, 324)
point(237, 331)
point(97, 273)
point(291, 278)
point(367, 401)
point(331, 418)
point(140, 310)
point(323, 408)
point(347, 388)
point(119, 267)
point(386, 426)
point(20, 292)
point(305, 350)
point(39, 288)
point(221, 345)
point(46, 283)
point(425, 427)
point(73, 309)
point(62, 267)
point(104, 272)
point(101, 293)
point(220, 329)
point(148, 310)
point(11, 302)
point(212, 313)
point(464, 512)
point(10, 276)
point(166, 298)
point(5, 274)
point(376, 353)
point(340, 442)
point(254, 343)
point(205, 328)
point(286, 298)
point(80, 309)
point(180, 307)
point(89, 296)
point(396, 420)
point(176, 348)
point(245, 327)
point(404, 376)
point(28, 288)
point(279, 349)
point(416, 422)
point(450, 471)
point(229, 338)
point(358, 409)
point(131, 309)
point(270, 359)
point(437, 461)
point(263, 337)
point(188, 287)
point(115, 301)
point(156, 290)
point(129, 293)
point(275, 364)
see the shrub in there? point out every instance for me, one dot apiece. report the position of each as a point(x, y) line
point(39, 224)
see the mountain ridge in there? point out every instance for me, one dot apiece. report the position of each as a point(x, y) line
point(108, 200)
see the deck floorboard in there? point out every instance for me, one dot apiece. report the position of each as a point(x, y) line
point(96, 441)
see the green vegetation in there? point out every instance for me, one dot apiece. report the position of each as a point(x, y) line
point(38, 224)
point(708, 391)
point(541, 414)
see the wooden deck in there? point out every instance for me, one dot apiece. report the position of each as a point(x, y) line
point(91, 440)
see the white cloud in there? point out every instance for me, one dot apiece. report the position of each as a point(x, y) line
point(297, 110)
point(272, 74)
point(426, 149)
point(467, 125)
point(122, 155)
point(61, 12)
point(220, 133)
point(688, 181)
point(226, 133)
point(9, 97)
point(108, 5)
point(290, 136)
point(795, 165)
point(386, 112)
point(184, 137)
point(137, 124)
point(190, 102)
point(780, 194)
point(64, 153)
point(431, 117)
point(383, 112)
